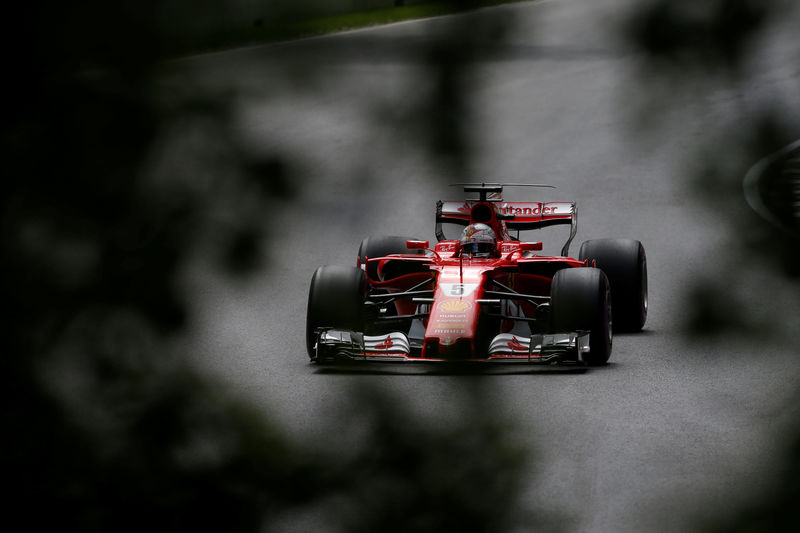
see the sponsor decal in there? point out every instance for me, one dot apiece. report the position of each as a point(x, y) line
point(449, 331)
point(516, 346)
point(455, 306)
point(447, 324)
point(386, 344)
point(534, 210)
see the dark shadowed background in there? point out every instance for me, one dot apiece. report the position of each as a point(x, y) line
point(118, 186)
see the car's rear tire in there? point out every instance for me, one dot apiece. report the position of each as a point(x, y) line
point(581, 300)
point(625, 263)
point(336, 300)
point(381, 246)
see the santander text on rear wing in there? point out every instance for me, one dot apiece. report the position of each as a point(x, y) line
point(504, 216)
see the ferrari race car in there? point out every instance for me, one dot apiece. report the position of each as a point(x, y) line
point(487, 296)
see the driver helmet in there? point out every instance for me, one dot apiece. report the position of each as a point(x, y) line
point(478, 240)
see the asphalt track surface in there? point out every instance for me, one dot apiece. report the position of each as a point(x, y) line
point(671, 431)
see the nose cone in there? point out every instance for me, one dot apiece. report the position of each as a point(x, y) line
point(451, 328)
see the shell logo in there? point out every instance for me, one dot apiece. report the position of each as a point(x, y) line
point(455, 306)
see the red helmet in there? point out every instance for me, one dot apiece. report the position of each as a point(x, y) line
point(478, 240)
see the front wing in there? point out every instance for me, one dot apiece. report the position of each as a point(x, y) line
point(341, 346)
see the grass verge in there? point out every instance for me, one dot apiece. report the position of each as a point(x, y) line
point(262, 32)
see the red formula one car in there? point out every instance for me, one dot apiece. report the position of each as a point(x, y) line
point(486, 296)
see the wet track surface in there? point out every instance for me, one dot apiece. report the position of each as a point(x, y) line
point(670, 431)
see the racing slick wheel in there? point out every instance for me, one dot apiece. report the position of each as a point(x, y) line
point(580, 300)
point(335, 299)
point(625, 264)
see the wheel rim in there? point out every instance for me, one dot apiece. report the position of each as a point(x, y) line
point(644, 287)
point(610, 322)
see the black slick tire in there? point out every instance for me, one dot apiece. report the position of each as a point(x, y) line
point(336, 300)
point(581, 301)
point(625, 263)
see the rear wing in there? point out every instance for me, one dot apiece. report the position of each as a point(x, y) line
point(508, 216)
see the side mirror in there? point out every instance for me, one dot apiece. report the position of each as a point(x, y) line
point(417, 245)
point(530, 246)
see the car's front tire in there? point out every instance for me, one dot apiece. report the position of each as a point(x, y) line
point(580, 299)
point(336, 300)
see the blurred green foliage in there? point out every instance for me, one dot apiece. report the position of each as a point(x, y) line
point(700, 48)
point(693, 50)
point(108, 427)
